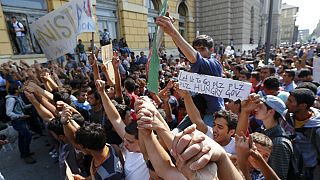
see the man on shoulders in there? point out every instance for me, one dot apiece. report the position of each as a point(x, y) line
point(201, 59)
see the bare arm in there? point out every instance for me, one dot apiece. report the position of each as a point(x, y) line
point(43, 112)
point(247, 106)
point(166, 24)
point(110, 110)
point(117, 78)
point(160, 159)
point(193, 111)
point(94, 65)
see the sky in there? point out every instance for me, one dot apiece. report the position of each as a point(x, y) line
point(308, 15)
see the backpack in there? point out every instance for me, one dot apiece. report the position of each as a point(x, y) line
point(24, 27)
point(295, 170)
point(3, 110)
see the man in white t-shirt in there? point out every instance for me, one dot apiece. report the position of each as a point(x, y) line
point(224, 125)
point(223, 130)
point(19, 30)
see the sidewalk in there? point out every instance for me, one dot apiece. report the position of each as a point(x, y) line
point(13, 168)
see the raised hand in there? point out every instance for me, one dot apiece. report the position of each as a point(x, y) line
point(182, 93)
point(166, 24)
point(115, 62)
point(66, 114)
point(251, 103)
point(193, 149)
point(100, 84)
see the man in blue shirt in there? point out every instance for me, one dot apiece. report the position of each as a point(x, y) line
point(288, 77)
point(202, 61)
point(142, 60)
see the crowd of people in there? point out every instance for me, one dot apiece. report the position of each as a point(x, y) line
point(119, 130)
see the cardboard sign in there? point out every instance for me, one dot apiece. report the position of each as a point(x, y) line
point(214, 86)
point(57, 31)
point(107, 53)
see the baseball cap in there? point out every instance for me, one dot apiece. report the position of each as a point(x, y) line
point(275, 103)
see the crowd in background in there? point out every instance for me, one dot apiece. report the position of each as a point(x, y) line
point(107, 129)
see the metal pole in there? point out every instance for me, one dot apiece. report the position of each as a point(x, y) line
point(269, 32)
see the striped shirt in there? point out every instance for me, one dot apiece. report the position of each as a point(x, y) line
point(111, 168)
point(281, 152)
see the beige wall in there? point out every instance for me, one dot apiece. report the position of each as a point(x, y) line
point(5, 44)
point(132, 22)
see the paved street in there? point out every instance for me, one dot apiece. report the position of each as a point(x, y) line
point(13, 168)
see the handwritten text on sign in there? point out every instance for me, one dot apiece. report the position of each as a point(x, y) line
point(57, 31)
point(214, 86)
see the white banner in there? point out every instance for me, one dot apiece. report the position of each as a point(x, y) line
point(214, 86)
point(57, 31)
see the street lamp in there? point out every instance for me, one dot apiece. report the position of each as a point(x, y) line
point(269, 33)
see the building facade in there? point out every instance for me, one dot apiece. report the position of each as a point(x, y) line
point(242, 24)
point(229, 22)
point(303, 35)
point(288, 27)
point(133, 20)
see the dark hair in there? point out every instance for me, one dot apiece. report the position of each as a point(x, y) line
point(308, 85)
point(303, 96)
point(230, 117)
point(203, 40)
point(61, 96)
point(290, 73)
point(130, 85)
point(56, 126)
point(95, 93)
point(246, 73)
point(304, 73)
point(132, 129)
point(276, 115)
point(13, 87)
point(79, 119)
point(271, 83)
point(92, 137)
point(122, 109)
point(271, 68)
point(256, 75)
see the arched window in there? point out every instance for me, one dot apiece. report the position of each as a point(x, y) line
point(251, 25)
point(183, 11)
point(153, 11)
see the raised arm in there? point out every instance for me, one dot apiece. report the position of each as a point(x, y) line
point(166, 24)
point(117, 78)
point(192, 145)
point(70, 127)
point(247, 106)
point(110, 110)
point(193, 111)
point(145, 109)
point(159, 158)
point(43, 112)
point(94, 65)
